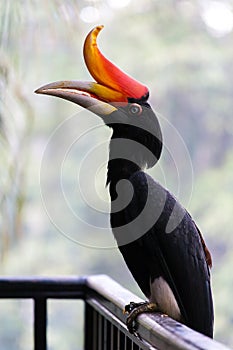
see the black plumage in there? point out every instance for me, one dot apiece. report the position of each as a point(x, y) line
point(173, 247)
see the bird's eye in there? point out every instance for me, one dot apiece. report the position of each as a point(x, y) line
point(135, 109)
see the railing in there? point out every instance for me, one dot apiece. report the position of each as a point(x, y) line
point(104, 320)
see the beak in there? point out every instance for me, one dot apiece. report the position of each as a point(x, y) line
point(112, 86)
point(85, 94)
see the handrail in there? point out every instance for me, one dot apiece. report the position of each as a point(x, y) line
point(104, 298)
point(159, 330)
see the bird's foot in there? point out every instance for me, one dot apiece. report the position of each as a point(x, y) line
point(135, 309)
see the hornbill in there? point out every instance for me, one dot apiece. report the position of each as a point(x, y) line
point(161, 245)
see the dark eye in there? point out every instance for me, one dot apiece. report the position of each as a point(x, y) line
point(135, 109)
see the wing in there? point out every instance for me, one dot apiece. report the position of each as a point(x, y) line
point(170, 245)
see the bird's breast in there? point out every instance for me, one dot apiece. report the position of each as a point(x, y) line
point(162, 295)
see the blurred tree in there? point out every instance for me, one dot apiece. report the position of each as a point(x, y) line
point(15, 125)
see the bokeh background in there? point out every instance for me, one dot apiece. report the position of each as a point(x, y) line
point(182, 50)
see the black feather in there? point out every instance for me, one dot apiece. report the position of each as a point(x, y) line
point(170, 248)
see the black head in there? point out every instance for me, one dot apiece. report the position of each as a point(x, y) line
point(136, 122)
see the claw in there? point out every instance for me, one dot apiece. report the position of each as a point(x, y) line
point(131, 325)
point(132, 305)
point(135, 309)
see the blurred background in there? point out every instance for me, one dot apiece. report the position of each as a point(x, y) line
point(182, 50)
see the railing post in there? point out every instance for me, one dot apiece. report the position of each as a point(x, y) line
point(40, 323)
point(90, 329)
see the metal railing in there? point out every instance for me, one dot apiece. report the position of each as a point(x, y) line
point(104, 321)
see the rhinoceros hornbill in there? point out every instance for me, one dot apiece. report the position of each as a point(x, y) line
point(160, 243)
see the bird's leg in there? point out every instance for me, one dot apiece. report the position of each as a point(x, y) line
point(135, 309)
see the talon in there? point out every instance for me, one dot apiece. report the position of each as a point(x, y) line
point(135, 309)
point(131, 325)
point(131, 306)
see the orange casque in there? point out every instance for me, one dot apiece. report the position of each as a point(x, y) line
point(119, 85)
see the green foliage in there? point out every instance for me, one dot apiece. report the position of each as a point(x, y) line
point(188, 68)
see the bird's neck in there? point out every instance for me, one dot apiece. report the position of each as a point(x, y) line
point(122, 162)
point(119, 169)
